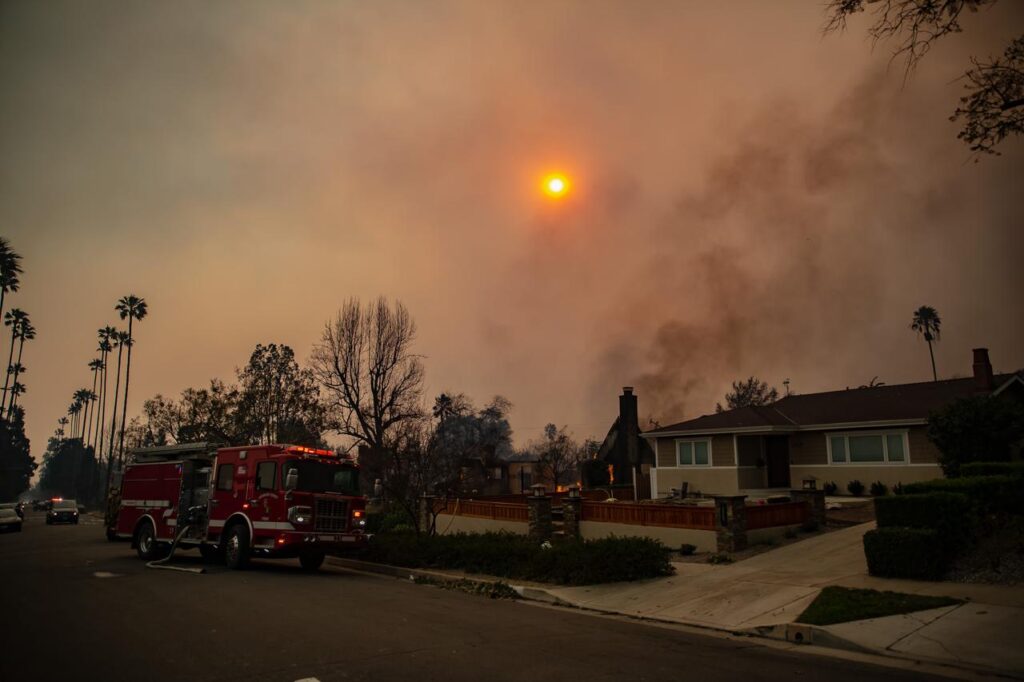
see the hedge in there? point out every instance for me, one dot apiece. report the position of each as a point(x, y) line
point(916, 553)
point(992, 469)
point(951, 514)
point(508, 555)
point(990, 494)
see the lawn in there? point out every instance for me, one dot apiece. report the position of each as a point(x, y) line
point(842, 604)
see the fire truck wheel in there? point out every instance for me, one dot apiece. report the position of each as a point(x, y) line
point(236, 547)
point(312, 560)
point(145, 542)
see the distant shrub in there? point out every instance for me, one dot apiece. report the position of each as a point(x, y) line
point(879, 489)
point(507, 555)
point(916, 553)
point(720, 558)
point(831, 488)
point(855, 488)
point(686, 549)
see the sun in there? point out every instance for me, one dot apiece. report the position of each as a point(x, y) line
point(555, 185)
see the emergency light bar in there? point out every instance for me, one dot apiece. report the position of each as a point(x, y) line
point(312, 451)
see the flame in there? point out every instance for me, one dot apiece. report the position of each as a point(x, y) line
point(611, 475)
point(561, 488)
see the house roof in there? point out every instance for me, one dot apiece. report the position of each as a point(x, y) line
point(908, 403)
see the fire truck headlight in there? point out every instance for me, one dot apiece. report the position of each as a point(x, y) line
point(362, 522)
point(300, 515)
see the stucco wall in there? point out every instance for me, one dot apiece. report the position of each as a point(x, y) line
point(889, 474)
point(448, 523)
point(707, 480)
point(922, 450)
point(808, 448)
point(704, 540)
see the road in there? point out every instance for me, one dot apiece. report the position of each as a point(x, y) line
point(76, 607)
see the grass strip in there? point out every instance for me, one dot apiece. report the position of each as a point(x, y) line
point(842, 604)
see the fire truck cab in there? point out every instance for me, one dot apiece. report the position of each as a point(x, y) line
point(273, 501)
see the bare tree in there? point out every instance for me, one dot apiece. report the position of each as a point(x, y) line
point(993, 109)
point(371, 380)
point(751, 392)
point(558, 455)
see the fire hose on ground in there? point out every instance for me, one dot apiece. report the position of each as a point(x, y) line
point(162, 563)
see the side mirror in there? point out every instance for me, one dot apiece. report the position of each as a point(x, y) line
point(291, 479)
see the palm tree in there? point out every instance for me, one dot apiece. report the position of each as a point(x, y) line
point(105, 346)
point(10, 268)
point(119, 339)
point(27, 331)
point(73, 410)
point(133, 308)
point(926, 322)
point(94, 365)
point(13, 318)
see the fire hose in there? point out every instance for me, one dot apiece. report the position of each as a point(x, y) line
point(162, 563)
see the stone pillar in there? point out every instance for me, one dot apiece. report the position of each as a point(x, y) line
point(815, 500)
point(539, 506)
point(731, 522)
point(572, 508)
point(427, 514)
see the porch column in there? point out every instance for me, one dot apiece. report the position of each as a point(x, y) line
point(572, 508)
point(815, 500)
point(731, 522)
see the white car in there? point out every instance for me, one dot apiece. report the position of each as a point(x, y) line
point(9, 520)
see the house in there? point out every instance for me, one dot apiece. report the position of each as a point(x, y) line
point(875, 433)
point(524, 470)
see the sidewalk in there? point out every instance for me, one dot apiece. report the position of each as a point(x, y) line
point(764, 595)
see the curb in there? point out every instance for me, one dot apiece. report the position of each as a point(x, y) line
point(792, 633)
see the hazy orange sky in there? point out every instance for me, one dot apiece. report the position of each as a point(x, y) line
point(749, 197)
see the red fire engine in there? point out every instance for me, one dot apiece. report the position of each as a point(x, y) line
point(275, 501)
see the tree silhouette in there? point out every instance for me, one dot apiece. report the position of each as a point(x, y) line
point(926, 322)
point(749, 393)
point(13, 318)
point(994, 106)
point(10, 269)
point(119, 339)
point(133, 308)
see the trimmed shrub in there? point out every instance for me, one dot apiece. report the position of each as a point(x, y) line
point(991, 469)
point(879, 489)
point(831, 488)
point(720, 558)
point(686, 549)
point(951, 514)
point(989, 494)
point(976, 429)
point(516, 556)
point(897, 489)
point(916, 553)
point(855, 488)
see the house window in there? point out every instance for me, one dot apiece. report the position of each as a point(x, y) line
point(693, 453)
point(867, 448)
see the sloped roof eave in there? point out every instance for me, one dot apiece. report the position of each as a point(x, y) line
point(880, 423)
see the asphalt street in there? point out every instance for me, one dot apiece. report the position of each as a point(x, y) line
point(76, 607)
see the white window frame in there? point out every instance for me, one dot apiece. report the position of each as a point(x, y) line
point(903, 433)
point(711, 458)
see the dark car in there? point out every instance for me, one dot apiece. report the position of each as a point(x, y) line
point(15, 507)
point(9, 520)
point(64, 511)
point(42, 505)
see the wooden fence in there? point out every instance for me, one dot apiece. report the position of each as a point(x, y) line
point(664, 515)
point(773, 515)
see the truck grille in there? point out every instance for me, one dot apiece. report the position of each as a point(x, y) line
point(331, 516)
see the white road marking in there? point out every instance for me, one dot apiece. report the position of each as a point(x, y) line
point(106, 574)
point(308, 679)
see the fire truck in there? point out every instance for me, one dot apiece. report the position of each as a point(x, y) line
point(236, 503)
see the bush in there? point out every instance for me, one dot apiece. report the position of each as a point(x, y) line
point(897, 489)
point(686, 549)
point(831, 488)
point(720, 558)
point(855, 488)
point(879, 489)
point(989, 494)
point(916, 553)
point(951, 514)
point(976, 429)
point(992, 469)
point(516, 556)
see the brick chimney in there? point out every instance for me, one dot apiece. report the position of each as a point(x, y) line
point(629, 422)
point(983, 381)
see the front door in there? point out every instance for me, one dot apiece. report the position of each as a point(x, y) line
point(776, 455)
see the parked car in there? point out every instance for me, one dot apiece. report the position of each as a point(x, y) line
point(64, 511)
point(42, 505)
point(9, 520)
point(15, 506)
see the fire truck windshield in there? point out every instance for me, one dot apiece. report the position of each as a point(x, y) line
point(317, 477)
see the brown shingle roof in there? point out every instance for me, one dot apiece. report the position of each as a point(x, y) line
point(910, 402)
